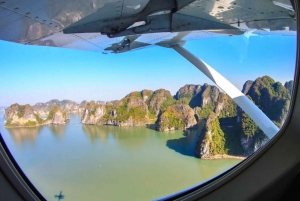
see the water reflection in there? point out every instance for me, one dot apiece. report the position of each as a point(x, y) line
point(25, 134)
point(186, 145)
point(94, 132)
point(120, 135)
point(151, 126)
point(58, 130)
point(29, 134)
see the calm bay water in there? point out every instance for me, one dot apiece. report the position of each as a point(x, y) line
point(88, 162)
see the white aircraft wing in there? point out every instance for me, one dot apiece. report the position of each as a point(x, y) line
point(123, 25)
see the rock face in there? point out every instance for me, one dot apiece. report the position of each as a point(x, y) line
point(212, 140)
point(271, 97)
point(176, 117)
point(43, 109)
point(146, 94)
point(159, 100)
point(243, 135)
point(207, 95)
point(93, 113)
point(225, 106)
point(188, 92)
point(81, 107)
point(57, 116)
point(205, 99)
point(129, 111)
point(247, 86)
point(21, 115)
point(289, 85)
point(132, 110)
point(137, 108)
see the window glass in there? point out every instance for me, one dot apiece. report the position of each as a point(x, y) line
point(143, 124)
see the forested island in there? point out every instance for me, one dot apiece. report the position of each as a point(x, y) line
point(228, 130)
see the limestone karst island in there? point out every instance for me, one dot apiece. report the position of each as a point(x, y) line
point(226, 130)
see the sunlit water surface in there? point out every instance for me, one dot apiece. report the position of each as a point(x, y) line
point(88, 162)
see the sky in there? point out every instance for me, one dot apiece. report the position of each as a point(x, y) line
point(31, 74)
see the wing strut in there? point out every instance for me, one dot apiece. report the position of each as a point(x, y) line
point(264, 123)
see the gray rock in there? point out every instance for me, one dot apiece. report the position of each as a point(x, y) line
point(289, 85)
point(176, 117)
point(247, 86)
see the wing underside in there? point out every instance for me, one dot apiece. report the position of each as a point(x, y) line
point(123, 25)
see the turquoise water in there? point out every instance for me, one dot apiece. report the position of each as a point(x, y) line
point(88, 162)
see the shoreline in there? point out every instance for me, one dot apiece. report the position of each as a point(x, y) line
point(224, 156)
point(32, 126)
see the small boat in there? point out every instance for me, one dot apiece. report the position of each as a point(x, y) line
point(76, 125)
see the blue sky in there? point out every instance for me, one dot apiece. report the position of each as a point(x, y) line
point(31, 74)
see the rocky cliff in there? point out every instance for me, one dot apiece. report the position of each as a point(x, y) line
point(129, 111)
point(205, 99)
point(271, 97)
point(187, 92)
point(57, 116)
point(146, 94)
point(138, 108)
point(43, 109)
point(208, 94)
point(247, 86)
point(202, 99)
point(158, 101)
point(93, 113)
point(176, 117)
point(289, 86)
point(23, 115)
point(242, 135)
point(81, 107)
point(225, 106)
point(212, 139)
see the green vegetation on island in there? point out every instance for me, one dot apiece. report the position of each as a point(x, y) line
point(212, 140)
point(242, 135)
point(203, 112)
point(271, 97)
point(23, 116)
point(176, 117)
point(228, 130)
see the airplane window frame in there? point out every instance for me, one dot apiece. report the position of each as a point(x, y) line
point(12, 171)
point(15, 175)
